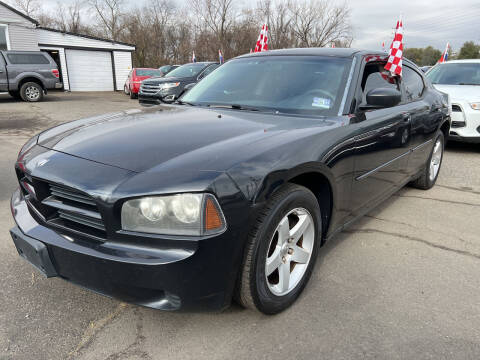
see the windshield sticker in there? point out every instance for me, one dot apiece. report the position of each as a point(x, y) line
point(321, 103)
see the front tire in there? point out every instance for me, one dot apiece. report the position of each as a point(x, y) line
point(281, 251)
point(133, 95)
point(31, 92)
point(432, 167)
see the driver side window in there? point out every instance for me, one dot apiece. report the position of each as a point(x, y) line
point(374, 77)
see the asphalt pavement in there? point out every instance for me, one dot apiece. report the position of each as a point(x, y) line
point(402, 283)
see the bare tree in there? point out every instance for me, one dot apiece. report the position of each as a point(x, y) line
point(28, 7)
point(279, 20)
point(317, 23)
point(69, 17)
point(110, 16)
point(216, 16)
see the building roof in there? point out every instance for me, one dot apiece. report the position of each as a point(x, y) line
point(86, 36)
point(19, 13)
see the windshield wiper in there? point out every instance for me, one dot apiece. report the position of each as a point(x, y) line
point(232, 106)
point(462, 83)
point(181, 102)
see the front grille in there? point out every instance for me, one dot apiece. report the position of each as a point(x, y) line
point(149, 89)
point(63, 207)
point(456, 108)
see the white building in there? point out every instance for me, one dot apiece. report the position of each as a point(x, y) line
point(86, 63)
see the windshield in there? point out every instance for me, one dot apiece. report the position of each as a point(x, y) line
point(188, 70)
point(148, 72)
point(455, 74)
point(301, 84)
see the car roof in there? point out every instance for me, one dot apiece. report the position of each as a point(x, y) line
point(201, 63)
point(335, 52)
point(144, 68)
point(476, 61)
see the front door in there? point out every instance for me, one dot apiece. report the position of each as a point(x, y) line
point(382, 145)
point(3, 75)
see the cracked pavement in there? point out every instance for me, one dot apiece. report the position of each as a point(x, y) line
point(402, 283)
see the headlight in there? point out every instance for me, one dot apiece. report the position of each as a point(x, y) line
point(169, 85)
point(28, 145)
point(475, 105)
point(182, 214)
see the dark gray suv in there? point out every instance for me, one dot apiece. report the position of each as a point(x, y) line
point(27, 75)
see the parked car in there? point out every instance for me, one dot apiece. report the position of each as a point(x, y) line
point(425, 68)
point(233, 191)
point(172, 86)
point(165, 69)
point(27, 75)
point(135, 78)
point(460, 79)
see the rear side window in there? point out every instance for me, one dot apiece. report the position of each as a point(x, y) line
point(413, 84)
point(25, 59)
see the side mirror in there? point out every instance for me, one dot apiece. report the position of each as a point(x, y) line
point(382, 98)
point(188, 87)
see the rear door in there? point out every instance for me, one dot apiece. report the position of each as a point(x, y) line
point(3, 75)
point(423, 113)
point(383, 145)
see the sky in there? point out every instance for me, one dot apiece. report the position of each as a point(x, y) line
point(426, 22)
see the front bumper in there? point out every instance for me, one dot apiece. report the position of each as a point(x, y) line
point(180, 275)
point(465, 123)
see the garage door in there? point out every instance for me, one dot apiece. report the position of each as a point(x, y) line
point(90, 70)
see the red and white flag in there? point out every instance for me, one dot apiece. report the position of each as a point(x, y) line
point(395, 55)
point(445, 54)
point(262, 42)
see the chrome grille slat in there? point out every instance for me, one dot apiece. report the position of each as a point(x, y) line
point(149, 89)
point(71, 195)
point(98, 224)
point(58, 204)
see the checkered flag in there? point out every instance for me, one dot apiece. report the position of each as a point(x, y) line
point(394, 63)
point(262, 42)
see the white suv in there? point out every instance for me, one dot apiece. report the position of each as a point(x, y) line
point(460, 79)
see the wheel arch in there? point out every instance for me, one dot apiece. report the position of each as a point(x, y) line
point(30, 78)
point(445, 128)
point(316, 177)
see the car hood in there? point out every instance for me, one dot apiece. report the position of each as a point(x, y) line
point(183, 137)
point(165, 79)
point(460, 92)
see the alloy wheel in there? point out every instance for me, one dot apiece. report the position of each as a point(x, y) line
point(32, 93)
point(436, 159)
point(289, 251)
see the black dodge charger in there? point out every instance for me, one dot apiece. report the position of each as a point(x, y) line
point(231, 192)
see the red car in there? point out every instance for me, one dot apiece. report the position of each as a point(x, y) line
point(135, 78)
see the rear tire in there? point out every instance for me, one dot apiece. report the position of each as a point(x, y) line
point(432, 167)
point(279, 255)
point(31, 92)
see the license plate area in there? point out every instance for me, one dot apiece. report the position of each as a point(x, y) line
point(34, 251)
